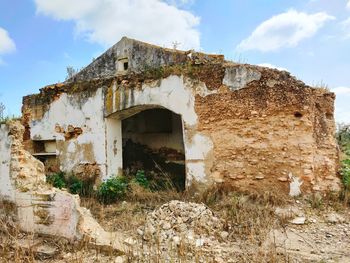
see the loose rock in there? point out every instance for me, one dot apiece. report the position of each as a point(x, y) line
point(298, 220)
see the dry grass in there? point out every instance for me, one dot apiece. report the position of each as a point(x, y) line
point(322, 203)
point(131, 213)
point(321, 85)
point(249, 217)
point(18, 247)
point(10, 250)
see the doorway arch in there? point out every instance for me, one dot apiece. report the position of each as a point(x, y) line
point(148, 138)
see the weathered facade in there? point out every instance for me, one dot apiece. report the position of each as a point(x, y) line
point(254, 127)
point(37, 206)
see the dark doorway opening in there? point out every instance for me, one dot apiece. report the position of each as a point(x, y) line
point(153, 142)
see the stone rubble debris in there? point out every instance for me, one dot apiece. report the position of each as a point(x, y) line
point(178, 224)
point(334, 218)
point(190, 222)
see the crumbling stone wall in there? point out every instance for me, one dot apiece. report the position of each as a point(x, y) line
point(74, 122)
point(254, 127)
point(39, 208)
point(138, 56)
point(267, 127)
point(26, 171)
point(5, 157)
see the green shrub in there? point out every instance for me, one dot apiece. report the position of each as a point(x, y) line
point(57, 180)
point(343, 138)
point(345, 173)
point(83, 187)
point(140, 179)
point(113, 189)
point(75, 185)
point(72, 183)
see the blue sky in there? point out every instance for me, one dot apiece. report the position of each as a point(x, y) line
point(309, 38)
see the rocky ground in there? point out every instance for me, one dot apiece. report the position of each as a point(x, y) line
point(313, 237)
point(240, 229)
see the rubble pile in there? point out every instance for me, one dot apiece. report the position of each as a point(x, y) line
point(178, 221)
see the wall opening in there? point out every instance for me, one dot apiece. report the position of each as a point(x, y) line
point(153, 142)
point(126, 65)
point(46, 152)
point(122, 65)
point(298, 114)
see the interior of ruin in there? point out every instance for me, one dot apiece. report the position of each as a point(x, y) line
point(153, 142)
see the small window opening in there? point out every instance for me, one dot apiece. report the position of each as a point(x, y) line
point(123, 65)
point(46, 152)
point(126, 65)
point(298, 114)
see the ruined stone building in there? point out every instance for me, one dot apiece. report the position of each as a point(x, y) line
point(201, 118)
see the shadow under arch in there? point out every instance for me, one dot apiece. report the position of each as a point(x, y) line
point(149, 138)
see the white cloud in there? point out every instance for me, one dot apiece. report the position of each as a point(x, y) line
point(107, 21)
point(268, 65)
point(180, 3)
point(341, 90)
point(7, 45)
point(284, 30)
point(348, 5)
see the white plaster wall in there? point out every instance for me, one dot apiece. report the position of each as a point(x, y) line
point(178, 95)
point(88, 115)
point(238, 77)
point(114, 146)
point(43, 209)
point(104, 135)
point(6, 188)
point(197, 151)
point(172, 94)
point(198, 147)
point(62, 209)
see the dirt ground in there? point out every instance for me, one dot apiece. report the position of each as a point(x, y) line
point(254, 229)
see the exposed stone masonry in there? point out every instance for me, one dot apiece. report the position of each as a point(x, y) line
point(254, 127)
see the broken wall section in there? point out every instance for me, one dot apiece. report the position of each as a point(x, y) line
point(130, 56)
point(66, 129)
point(39, 207)
point(127, 56)
point(244, 124)
point(266, 126)
point(6, 187)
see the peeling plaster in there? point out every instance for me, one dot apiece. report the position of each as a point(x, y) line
point(238, 77)
point(199, 147)
point(178, 95)
point(5, 158)
point(294, 186)
point(172, 94)
point(40, 208)
point(87, 147)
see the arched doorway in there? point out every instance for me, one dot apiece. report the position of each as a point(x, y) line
point(152, 141)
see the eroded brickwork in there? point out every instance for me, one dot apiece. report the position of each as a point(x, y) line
point(269, 129)
point(251, 126)
point(26, 171)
